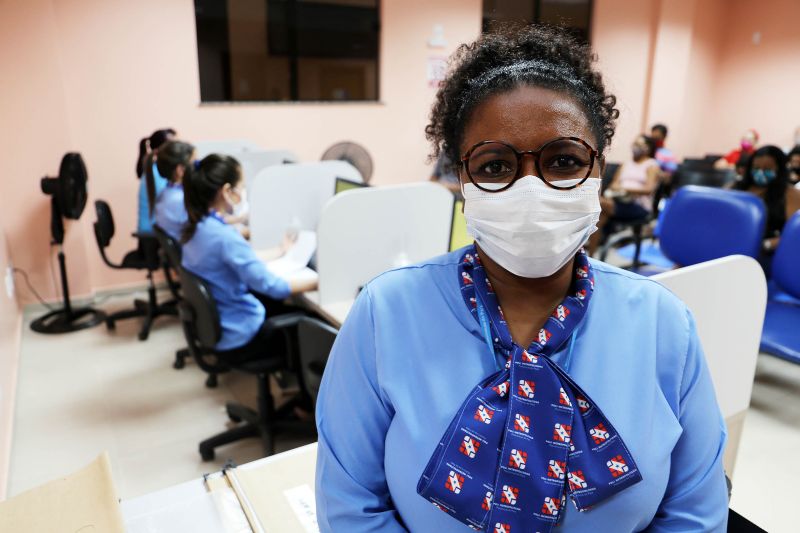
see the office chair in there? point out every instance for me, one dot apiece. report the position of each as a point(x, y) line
point(171, 258)
point(703, 176)
point(316, 340)
point(781, 336)
point(143, 258)
point(202, 329)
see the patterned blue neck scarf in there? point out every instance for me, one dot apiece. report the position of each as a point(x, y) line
point(517, 447)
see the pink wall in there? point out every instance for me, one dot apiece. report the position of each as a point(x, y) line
point(757, 85)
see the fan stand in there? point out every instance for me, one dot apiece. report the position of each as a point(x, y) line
point(67, 319)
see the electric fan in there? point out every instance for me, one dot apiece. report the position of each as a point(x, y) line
point(353, 153)
point(67, 199)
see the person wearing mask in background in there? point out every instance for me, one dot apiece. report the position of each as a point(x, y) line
point(174, 158)
point(767, 176)
point(216, 252)
point(444, 174)
point(455, 385)
point(794, 166)
point(666, 159)
point(631, 194)
point(747, 146)
point(148, 149)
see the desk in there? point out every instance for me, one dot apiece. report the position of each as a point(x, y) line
point(335, 313)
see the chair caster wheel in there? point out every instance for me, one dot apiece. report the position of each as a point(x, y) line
point(233, 418)
point(178, 364)
point(110, 324)
point(207, 455)
point(143, 335)
point(211, 381)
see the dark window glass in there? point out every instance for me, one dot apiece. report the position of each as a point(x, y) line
point(574, 14)
point(288, 50)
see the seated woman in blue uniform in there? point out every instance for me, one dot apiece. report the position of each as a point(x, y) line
point(216, 252)
point(148, 149)
point(170, 212)
point(508, 385)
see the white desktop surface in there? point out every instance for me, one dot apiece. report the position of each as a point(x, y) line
point(334, 312)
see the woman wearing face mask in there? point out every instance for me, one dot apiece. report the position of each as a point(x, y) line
point(629, 198)
point(503, 385)
point(746, 147)
point(217, 253)
point(170, 212)
point(148, 149)
point(794, 166)
point(767, 176)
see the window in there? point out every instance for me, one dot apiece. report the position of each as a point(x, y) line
point(288, 50)
point(574, 14)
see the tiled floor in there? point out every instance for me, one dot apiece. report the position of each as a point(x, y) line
point(86, 392)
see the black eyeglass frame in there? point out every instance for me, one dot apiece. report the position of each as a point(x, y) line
point(594, 156)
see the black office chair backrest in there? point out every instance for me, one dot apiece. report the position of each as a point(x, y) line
point(104, 226)
point(702, 177)
point(199, 312)
point(608, 175)
point(695, 163)
point(172, 249)
point(316, 340)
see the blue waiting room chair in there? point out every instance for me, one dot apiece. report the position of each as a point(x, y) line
point(781, 334)
point(705, 223)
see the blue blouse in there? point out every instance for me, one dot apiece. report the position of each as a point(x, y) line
point(145, 223)
point(218, 254)
point(170, 212)
point(410, 352)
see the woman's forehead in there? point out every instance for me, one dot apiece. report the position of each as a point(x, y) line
point(764, 161)
point(527, 117)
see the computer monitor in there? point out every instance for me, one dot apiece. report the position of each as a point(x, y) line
point(458, 228)
point(346, 185)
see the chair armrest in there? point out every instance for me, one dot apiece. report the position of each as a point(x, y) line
point(284, 321)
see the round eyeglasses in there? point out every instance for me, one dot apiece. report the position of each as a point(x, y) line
point(494, 166)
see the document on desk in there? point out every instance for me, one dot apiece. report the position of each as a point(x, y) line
point(279, 491)
point(83, 501)
point(297, 257)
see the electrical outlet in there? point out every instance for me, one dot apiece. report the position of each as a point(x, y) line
point(10, 282)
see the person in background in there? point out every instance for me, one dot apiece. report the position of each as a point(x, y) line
point(740, 170)
point(444, 174)
point(148, 148)
point(794, 166)
point(666, 159)
point(767, 176)
point(747, 146)
point(214, 251)
point(174, 158)
point(630, 196)
point(795, 140)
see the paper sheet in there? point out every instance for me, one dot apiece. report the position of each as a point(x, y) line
point(297, 257)
point(83, 502)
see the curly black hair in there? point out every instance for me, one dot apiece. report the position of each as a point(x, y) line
point(538, 55)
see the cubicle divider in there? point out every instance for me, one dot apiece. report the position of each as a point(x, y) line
point(728, 298)
point(365, 232)
point(292, 196)
point(254, 161)
point(228, 146)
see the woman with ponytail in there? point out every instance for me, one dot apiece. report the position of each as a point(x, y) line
point(148, 149)
point(216, 252)
point(174, 158)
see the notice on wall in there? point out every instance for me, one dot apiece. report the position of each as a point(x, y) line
point(437, 68)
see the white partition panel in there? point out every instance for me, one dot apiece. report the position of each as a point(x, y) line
point(292, 195)
point(728, 297)
point(227, 146)
point(254, 162)
point(364, 232)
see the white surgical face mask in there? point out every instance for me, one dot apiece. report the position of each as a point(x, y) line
point(241, 208)
point(531, 229)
